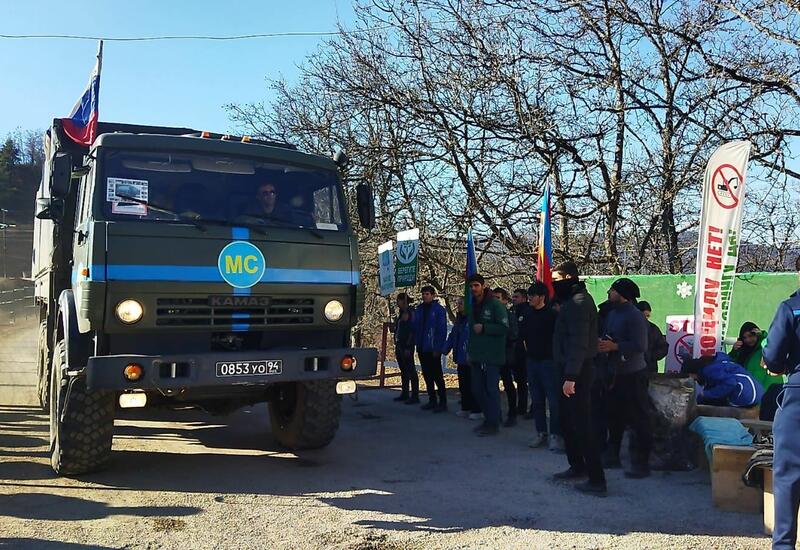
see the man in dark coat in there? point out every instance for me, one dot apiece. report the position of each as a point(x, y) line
point(574, 349)
point(625, 342)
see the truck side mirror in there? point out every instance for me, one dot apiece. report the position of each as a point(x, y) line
point(49, 209)
point(61, 175)
point(365, 205)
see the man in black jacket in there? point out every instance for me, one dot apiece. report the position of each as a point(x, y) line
point(625, 342)
point(657, 347)
point(574, 349)
point(520, 300)
point(536, 332)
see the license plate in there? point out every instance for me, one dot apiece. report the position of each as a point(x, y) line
point(249, 368)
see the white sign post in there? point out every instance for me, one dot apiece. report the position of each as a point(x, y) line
point(386, 268)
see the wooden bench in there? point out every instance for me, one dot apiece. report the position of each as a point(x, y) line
point(728, 491)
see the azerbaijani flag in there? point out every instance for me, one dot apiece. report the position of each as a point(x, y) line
point(81, 125)
point(471, 269)
point(544, 258)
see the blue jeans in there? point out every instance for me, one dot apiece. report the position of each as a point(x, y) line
point(545, 388)
point(486, 389)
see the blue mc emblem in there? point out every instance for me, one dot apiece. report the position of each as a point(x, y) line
point(241, 264)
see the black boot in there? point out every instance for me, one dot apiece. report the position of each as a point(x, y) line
point(430, 405)
point(401, 397)
point(569, 474)
point(413, 400)
point(594, 488)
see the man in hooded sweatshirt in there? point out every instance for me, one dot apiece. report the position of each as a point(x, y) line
point(625, 342)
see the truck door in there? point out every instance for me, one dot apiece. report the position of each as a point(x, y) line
point(81, 247)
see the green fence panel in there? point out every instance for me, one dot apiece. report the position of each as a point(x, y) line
point(755, 296)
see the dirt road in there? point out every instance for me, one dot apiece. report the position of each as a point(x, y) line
point(395, 477)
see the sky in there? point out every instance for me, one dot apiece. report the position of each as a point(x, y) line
point(169, 83)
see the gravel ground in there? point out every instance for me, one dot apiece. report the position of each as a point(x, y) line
point(395, 477)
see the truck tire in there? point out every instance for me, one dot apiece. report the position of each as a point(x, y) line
point(81, 441)
point(305, 415)
point(43, 369)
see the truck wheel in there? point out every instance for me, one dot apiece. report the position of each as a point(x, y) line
point(305, 415)
point(43, 369)
point(81, 441)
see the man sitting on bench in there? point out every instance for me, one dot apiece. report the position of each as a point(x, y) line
point(725, 383)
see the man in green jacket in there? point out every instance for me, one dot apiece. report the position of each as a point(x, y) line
point(486, 351)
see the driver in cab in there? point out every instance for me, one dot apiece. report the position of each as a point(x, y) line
point(270, 209)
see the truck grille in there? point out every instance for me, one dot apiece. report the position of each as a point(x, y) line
point(197, 312)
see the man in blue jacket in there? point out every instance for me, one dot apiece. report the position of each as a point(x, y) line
point(430, 331)
point(725, 383)
point(457, 343)
point(781, 355)
point(624, 339)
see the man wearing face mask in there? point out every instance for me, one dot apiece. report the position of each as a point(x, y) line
point(624, 339)
point(574, 349)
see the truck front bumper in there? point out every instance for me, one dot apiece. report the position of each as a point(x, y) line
point(198, 370)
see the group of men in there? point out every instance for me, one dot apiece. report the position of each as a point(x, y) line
point(558, 349)
point(588, 365)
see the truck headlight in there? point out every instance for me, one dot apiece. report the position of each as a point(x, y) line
point(129, 311)
point(334, 310)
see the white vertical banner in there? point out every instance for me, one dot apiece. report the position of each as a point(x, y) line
point(718, 243)
point(386, 268)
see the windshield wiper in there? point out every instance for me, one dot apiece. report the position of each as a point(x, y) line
point(179, 217)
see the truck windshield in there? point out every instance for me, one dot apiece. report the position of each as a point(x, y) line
point(218, 188)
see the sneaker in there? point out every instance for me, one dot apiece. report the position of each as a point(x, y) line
point(556, 444)
point(429, 406)
point(570, 474)
point(638, 471)
point(510, 422)
point(401, 397)
point(594, 488)
point(476, 416)
point(440, 408)
point(488, 431)
point(480, 427)
point(413, 400)
point(611, 459)
point(462, 414)
point(538, 441)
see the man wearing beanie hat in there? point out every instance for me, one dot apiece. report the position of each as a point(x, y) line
point(624, 339)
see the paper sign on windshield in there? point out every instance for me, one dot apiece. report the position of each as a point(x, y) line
point(119, 188)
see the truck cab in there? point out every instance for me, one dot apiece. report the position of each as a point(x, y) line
point(180, 268)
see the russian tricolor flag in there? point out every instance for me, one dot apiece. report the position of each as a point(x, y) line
point(544, 259)
point(81, 125)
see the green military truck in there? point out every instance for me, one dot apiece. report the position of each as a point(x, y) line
point(179, 268)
